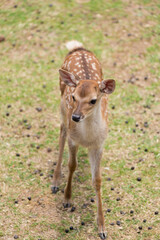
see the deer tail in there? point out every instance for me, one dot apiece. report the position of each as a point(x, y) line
point(73, 44)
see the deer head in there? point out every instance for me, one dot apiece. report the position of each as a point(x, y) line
point(87, 93)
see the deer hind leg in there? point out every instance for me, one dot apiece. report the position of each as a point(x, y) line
point(71, 166)
point(95, 158)
point(57, 172)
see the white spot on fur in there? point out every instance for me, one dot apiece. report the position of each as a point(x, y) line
point(79, 72)
point(94, 66)
point(97, 76)
point(65, 64)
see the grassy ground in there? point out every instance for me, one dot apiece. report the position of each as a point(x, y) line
point(125, 36)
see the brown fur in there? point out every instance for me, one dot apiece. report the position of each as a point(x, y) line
point(82, 73)
point(78, 49)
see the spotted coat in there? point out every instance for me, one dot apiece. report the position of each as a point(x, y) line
point(84, 65)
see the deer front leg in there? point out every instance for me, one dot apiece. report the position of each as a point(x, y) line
point(57, 172)
point(95, 155)
point(71, 166)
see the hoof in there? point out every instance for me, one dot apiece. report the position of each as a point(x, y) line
point(103, 235)
point(54, 189)
point(66, 205)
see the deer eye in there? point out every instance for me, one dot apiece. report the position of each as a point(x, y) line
point(93, 101)
point(73, 98)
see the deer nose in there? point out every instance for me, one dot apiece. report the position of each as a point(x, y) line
point(76, 118)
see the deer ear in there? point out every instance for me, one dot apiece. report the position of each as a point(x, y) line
point(107, 86)
point(68, 78)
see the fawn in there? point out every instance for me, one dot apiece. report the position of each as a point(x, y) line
point(84, 118)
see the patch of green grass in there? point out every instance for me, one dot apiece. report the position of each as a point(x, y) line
point(1, 234)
